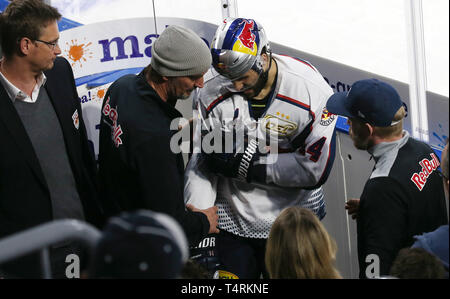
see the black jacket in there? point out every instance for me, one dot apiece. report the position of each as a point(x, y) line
point(24, 195)
point(401, 199)
point(137, 168)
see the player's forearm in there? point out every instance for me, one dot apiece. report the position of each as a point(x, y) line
point(287, 171)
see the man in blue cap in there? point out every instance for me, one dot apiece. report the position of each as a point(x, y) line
point(404, 195)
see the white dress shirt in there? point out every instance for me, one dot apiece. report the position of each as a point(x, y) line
point(15, 93)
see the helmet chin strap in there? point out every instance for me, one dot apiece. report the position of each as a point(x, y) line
point(264, 76)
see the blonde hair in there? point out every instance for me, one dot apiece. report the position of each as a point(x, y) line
point(395, 130)
point(300, 247)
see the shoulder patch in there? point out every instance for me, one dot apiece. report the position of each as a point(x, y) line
point(327, 117)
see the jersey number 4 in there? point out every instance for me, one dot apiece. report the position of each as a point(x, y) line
point(315, 149)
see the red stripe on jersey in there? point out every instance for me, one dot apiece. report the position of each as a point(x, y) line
point(218, 100)
point(300, 60)
point(295, 102)
point(215, 102)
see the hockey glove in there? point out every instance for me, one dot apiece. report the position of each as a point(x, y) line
point(239, 164)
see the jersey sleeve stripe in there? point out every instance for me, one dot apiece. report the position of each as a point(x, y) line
point(293, 102)
point(300, 60)
point(217, 101)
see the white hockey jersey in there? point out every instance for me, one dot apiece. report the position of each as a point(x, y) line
point(296, 115)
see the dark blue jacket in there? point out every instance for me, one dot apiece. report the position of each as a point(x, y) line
point(403, 197)
point(137, 167)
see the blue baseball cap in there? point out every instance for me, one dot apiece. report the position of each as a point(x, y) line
point(370, 100)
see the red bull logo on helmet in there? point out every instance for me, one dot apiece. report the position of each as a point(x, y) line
point(246, 39)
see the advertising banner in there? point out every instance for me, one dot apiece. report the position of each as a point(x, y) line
point(126, 44)
point(120, 44)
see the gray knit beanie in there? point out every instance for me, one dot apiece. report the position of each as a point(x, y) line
point(179, 51)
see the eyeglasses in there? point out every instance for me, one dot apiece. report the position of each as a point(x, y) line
point(49, 44)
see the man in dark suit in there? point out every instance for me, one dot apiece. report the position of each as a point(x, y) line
point(47, 171)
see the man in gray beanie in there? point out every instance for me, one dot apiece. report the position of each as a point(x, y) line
point(137, 168)
point(180, 52)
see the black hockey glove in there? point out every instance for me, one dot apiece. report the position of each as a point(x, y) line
point(239, 164)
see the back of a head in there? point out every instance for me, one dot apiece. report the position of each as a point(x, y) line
point(24, 18)
point(193, 270)
point(179, 51)
point(300, 247)
point(374, 102)
point(237, 47)
point(417, 263)
point(142, 244)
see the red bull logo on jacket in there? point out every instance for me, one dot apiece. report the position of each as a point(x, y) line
point(116, 130)
point(428, 166)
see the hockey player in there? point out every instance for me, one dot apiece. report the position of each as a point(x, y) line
point(272, 97)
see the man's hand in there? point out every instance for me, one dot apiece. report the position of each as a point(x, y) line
point(352, 207)
point(211, 213)
point(189, 125)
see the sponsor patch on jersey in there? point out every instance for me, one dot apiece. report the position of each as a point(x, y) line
point(327, 117)
point(279, 125)
point(428, 166)
point(76, 120)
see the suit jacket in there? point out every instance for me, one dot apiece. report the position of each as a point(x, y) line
point(24, 195)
